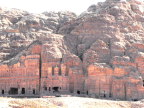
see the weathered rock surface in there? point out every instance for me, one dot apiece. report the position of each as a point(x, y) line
point(100, 51)
point(19, 28)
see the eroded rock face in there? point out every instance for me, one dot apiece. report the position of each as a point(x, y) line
point(19, 28)
point(99, 53)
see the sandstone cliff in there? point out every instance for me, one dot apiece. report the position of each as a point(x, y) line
point(105, 43)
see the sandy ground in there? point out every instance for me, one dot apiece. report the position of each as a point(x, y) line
point(66, 102)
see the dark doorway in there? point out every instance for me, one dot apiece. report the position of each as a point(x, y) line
point(34, 91)
point(2, 91)
point(49, 88)
point(135, 99)
point(87, 92)
point(56, 89)
point(23, 91)
point(78, 92)
point(104, 94)
point(110, 95)
point(71, 87)
point(45, 88)
point(13, 91)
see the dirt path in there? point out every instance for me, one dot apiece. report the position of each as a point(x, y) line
point(66, 102)
point(77, 102)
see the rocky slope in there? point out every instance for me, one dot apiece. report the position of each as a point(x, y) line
point(106, 31)
point(18, 29)
point(107, 35)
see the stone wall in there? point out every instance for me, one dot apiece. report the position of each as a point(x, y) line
point(114, 83)
point(64, 73)
point(35, 75)
point(34, 72)
point(22, 75)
